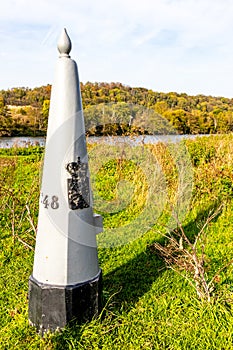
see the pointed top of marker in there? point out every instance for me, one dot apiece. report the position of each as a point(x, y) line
point(64, 44)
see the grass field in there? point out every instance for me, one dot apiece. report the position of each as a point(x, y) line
point(146, 305)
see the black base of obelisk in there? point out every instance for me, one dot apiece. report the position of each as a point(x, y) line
point(52, 307)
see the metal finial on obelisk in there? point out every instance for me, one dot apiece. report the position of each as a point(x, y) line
point(64, 44)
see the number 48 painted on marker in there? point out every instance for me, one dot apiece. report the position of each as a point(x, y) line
point(54, 202)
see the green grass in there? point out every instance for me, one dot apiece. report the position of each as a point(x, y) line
point(146, 305)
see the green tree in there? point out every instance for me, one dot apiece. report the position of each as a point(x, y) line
point(6, 122)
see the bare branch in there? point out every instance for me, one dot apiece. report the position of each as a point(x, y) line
point(209, 219)
point(219, 271)
point(30, 219)
point(24, 243)
point(181, 255)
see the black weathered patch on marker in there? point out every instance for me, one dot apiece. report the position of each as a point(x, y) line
point(52, 307)
point(78, 185)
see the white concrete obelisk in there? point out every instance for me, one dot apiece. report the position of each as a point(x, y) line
point(66, 279)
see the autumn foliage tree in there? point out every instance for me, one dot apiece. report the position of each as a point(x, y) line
point(187, 114)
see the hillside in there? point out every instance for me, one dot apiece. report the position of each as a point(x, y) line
point(24, 111)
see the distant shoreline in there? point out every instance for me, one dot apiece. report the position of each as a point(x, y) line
point(27, 141)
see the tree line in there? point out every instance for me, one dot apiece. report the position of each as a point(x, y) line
point(114, 108)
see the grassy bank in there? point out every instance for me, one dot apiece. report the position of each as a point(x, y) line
point(146, 305)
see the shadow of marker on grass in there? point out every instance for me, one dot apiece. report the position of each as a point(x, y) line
point(135, 278)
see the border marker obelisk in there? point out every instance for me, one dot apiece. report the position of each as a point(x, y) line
point(66, 279)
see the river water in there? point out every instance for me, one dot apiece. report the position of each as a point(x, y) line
point(25, 141)
point(22, 141)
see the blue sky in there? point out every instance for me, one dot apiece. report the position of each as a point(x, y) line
point(163, 45)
